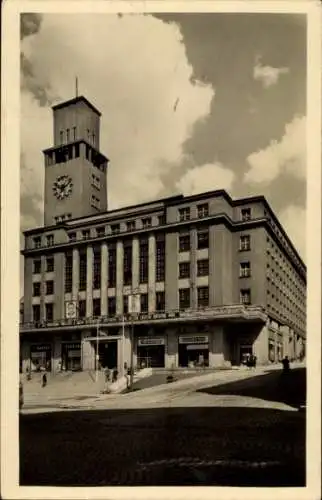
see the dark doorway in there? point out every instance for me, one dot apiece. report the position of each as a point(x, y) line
point(107, 352)
point(193, 355)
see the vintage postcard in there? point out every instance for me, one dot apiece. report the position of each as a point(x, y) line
point(161, 249)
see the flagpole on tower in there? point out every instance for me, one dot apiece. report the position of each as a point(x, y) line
point(76, 86)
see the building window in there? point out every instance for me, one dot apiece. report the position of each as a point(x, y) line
point(203, 296)
point(144, 261)
point(49, 312)
point(50, 239)
point(81, 308)
point(96, 308)
point(72, 236)
point(61, 135)
point(160, 259)
point(95, 202)
point(86, 234)
point(68, 272)
point(160, 301)
point(115, 228)
point(49, 264)
point(100, 231)
point(184, 298)
point(244, 270)
point(82, 270)
point(146, 222)
point(112, 267)
point(184, 270)
point(161, 220)
point(184, 214)
point(244, 242)
point(202, 210)
point(96, 268)
point(125, 304)
point(130, 225)
point(96, 181)
point(144, 299)
point(49, 287)
point(111, 306)
point(184, 243)
point(37, 242)
point(67, 135)
point(127, 264)
point(203, 267)
point(36, 289)
point(246, 214)
point(202, 239)
point(37, 266)
point(74, 133)
point(36, 312)
point(245, 296)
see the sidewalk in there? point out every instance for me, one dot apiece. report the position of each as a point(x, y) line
point(157, 395)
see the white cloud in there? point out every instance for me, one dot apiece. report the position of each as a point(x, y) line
point(293, 219)
point(268, 75)
point(207, 177)
point(135, 85)
point(289, 154)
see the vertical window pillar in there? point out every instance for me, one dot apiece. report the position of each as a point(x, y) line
point(89, 283)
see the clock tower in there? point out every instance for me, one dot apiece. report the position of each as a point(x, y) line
point(75, 170)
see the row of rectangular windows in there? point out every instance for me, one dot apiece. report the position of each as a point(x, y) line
point(131, 226)
point(69, 135)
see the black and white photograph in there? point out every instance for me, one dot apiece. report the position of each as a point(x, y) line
point(160, 333)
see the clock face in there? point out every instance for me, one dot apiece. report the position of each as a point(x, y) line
point(62, 187)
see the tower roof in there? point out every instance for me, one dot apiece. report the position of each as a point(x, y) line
point(75, 100)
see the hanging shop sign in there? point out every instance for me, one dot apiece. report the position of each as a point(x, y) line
point(146, 341)
point(193, 339)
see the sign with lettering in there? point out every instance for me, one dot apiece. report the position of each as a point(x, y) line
point(134, 303)
point(193, 339)
point(40, 347)
point(145, 341)
point(75, 345)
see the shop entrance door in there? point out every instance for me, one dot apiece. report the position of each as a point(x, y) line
point(107, 352)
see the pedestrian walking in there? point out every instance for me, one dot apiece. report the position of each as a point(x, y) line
point(44, 380)
point(115, 374)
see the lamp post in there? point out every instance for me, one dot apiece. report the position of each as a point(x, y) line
point(97, 355)
point(133, 308)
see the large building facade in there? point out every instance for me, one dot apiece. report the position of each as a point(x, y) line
point(179, 281)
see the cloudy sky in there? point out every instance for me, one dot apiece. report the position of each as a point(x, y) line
point(190, 102)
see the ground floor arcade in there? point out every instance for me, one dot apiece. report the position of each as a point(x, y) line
point(161, 346)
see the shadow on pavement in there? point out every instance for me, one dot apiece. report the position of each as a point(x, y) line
point(274, 385)
point(164, 447)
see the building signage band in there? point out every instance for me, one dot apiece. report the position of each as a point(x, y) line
point(145, 341)
point(76, 345)
point(201, 339)
point(42, 347)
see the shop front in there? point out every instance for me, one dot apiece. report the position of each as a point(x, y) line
point(107, 354)
point(151, 352)
point(71, 356)
point(193, 350)
point(40, 357)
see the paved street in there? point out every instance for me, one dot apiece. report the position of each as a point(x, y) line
point(233, 432)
